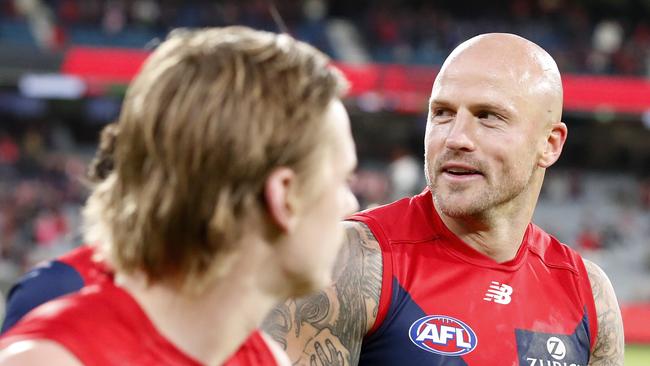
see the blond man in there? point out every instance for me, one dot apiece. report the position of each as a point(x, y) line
point(230, 176)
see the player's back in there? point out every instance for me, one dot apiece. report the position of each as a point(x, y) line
point(61, 276)
point(100, 325)
point(103, 325)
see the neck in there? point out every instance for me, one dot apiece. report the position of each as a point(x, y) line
point(234, 305)
point(499, 231)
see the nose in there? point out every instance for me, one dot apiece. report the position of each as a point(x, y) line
point(460, 136)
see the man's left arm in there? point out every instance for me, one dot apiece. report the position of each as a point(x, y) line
point(610, 344)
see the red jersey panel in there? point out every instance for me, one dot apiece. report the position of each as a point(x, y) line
point(50, 280)
point(103, 325)
point(83, 259)
point(443, 303)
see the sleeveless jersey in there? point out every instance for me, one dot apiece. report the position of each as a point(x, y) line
point(61, 276)
point(444, 303)
point(102, 325)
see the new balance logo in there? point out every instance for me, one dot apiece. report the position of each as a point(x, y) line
point(499, 293)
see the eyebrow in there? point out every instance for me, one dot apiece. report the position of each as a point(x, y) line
point(493, 107)
point(478, 106)
point(439, 102)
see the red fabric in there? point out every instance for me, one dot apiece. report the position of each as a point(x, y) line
point(254, 352)
point(636, 318)
point(102, 325)
point(91, 269)
point(438, 274)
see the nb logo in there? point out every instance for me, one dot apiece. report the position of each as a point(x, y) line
point(499, 293)
point(556, 348)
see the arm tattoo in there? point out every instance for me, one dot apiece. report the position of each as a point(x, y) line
point(609, 347)
point(278, 323)
point(327, 328)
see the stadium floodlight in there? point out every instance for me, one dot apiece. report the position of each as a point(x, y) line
point(52, 86)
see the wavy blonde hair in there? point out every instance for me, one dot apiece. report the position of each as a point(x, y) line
point(211, 113)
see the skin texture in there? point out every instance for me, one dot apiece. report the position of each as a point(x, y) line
point(485, 118)
point(610, 345)
point(495, 113)
point(327, 328)
point(316, 235)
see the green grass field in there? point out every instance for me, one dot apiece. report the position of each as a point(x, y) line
point(637, 355)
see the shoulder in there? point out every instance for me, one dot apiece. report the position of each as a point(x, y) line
point(601, 287)
point(85, 324)
point(71, 314)
point(87, 261)
point(51, 319)
point(329, 326)
point(41, 284)
point(37, 352)
point(82, 256)
point(358, 272)
point(405, 219)
point(360, 245)
point(552, 252)
point(609, 346)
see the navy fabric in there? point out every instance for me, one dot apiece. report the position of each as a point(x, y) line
point(390, 345)
point(546, 348)
point(38, 286)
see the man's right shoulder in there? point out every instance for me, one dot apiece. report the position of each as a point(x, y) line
point(327, 327)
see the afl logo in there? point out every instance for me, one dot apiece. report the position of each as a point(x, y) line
point(443, 335)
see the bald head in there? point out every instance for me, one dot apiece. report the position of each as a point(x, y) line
point(516, 62)
point(494, 127)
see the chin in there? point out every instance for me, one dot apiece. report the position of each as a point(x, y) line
point(457, 211)
point(458, 201)
point(459, 207)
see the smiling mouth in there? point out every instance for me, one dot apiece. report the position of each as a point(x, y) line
point(461, 171)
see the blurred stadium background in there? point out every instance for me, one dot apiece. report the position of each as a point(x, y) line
point(64, 66)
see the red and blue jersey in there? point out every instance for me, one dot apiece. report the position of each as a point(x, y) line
point(50, 280)
point(102, 325)
point(444, 303)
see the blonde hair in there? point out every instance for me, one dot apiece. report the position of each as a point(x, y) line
point(209, 116)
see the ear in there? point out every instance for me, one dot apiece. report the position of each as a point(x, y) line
point(553, 145)
point(278, 190)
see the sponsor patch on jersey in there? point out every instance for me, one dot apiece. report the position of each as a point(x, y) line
point(547, 349)
point(443, 335)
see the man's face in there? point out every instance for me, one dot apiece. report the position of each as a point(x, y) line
point(482, 138)
point(320, 233)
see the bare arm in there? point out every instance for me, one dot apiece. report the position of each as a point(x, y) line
point(327, 328)
point(37, 352)
point(610, 345)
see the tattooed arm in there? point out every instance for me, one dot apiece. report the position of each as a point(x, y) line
point(327, 328)
point(609, 347)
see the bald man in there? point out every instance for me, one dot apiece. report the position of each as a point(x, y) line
point(458, 275)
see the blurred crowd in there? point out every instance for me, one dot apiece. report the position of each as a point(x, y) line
point(579, 38)
point(41, 190)
point(41, 166)
point(606, 37)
